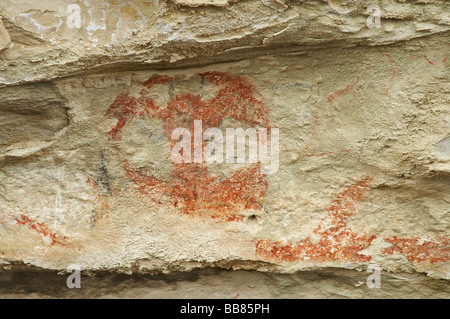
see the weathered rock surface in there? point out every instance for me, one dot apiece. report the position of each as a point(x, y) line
point(90, 94)
point(4, 37)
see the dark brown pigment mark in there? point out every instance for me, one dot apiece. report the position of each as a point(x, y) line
point(101, 186)
point(192, 189)
point(335, 242)
point(44, 230)
point(416, 250)
point(102, 209)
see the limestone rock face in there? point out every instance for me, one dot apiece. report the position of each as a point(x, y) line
point(4, 37)
point(91, 94)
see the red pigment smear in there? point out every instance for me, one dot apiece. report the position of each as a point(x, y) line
point(192, 189)
point(157, 79)
point(235, 99)
point(336, 242)
point(348, 88)
point(429, 61)
point(197, 193)
point(43, 229)
point(431, 250)
point(394, 70)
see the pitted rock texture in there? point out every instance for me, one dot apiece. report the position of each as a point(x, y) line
point(86, 175)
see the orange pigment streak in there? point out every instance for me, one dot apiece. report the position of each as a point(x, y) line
point(431, 250)
point(42, 229)
point(199, 194)
point(348, 88)
point(394, 70)
point(429, 61)
point(335, 243)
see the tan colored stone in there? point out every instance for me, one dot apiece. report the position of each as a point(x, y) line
point(5, 40)
point(86, 115)
point(198, 3)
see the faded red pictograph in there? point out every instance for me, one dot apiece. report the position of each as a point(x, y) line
point(54, 237)
point(191, 189)
point(335, 241)
point(420, 250)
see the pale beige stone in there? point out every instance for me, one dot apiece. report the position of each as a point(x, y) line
point(198, 3)
point(5, 40)
point(364, 128)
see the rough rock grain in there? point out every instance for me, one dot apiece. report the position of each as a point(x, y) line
point(86, 175)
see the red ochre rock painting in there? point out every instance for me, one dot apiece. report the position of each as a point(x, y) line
point(335, 242)
point(44, 230)
point(191, 189)
point(420, 250)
